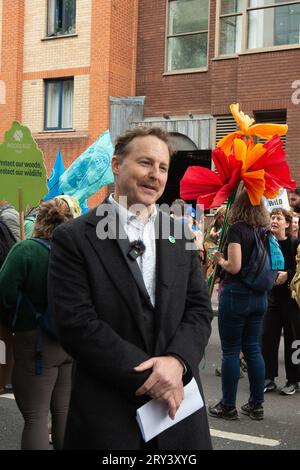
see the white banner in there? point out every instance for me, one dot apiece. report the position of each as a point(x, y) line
point(281, 200)
point(2, 353)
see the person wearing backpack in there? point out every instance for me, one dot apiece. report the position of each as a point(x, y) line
point(10, 217)
point(283, 311)
point(241, 310)
point(41, 377)
point(9, 234)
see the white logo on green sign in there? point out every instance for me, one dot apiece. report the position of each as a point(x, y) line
point(18, 135)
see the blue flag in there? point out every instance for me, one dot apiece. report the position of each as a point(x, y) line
point(90, 171)
point(53, 182)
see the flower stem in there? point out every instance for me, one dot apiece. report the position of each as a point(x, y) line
point(212, 278)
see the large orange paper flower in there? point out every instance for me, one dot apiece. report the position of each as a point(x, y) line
point(262, 169)
point(247, 128)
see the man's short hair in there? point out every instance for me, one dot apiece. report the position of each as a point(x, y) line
point(296, 191)
point(123, 140)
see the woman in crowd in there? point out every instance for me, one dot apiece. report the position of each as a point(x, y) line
point(283, 311)
point(211, 239)
point(295, 225)
point(25, 268)
point(182, 211)
point(240, 314)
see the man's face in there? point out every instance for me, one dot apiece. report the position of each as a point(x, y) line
point(294, 200)
point(143, 172)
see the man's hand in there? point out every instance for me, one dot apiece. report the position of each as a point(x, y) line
point(165, 382)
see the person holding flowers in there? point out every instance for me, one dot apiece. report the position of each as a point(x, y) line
point(241, 311)
point(263, 171)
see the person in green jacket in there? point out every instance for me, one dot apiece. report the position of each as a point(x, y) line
point(26, 268)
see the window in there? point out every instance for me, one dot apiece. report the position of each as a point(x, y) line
point(59, 104)
point(257, 24)
point(187, 34)
point(61, 17)
point(230, 27)
point(272, 25)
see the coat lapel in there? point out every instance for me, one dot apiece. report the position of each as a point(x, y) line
point(169, 259)
point(124, 273)
point(165, 257)
point(117, 233)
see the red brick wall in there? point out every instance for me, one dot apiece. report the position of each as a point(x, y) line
point(171, 94)
point(70, 149)
point(112, 72)
point(113, 58)
point(293, 141)
point(260, 81)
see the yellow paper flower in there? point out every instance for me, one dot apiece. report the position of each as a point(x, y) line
point(248, 129)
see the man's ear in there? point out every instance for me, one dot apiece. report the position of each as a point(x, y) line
point(115, 164)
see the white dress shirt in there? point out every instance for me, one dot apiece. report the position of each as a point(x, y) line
point(135, 229)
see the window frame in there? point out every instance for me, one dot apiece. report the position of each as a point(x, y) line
point(60, 81)
point(191, 33)
point(57, 34)
point(245, 29)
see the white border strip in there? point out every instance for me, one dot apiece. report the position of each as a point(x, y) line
point(8, 395)
point(244, 438)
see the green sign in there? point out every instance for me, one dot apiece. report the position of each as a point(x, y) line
point(21, 167)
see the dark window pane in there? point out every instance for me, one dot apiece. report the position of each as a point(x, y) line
point(264, 3)
point(61, 17)
point(69, 16)
point(187, 16)
point(67, 105)
point(187, 52)
point(231, 6)
point(59, 14)
point(59, 104)
point(230, 34)
point(274, 26)
point(52, 117)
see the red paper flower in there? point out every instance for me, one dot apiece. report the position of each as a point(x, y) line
point(209, 188)
point(269, 158)
point(262, 168)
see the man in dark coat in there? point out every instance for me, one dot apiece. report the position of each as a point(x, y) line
point(131, 306)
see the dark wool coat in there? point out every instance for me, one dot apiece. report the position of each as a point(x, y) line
point(108, 325)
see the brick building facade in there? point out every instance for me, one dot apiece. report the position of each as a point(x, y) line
point(173, 63)
point(261, 79)
point(89, 43)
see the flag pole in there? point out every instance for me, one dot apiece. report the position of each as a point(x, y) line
point(21, 214)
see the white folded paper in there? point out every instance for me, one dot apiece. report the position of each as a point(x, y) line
point(153, 417)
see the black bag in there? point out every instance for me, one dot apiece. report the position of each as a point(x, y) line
point(7, 240)
point(258, 274)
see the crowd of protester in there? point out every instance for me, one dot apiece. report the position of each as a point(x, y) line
point(250, 323)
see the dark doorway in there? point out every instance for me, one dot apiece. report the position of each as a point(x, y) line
point(179, 163)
